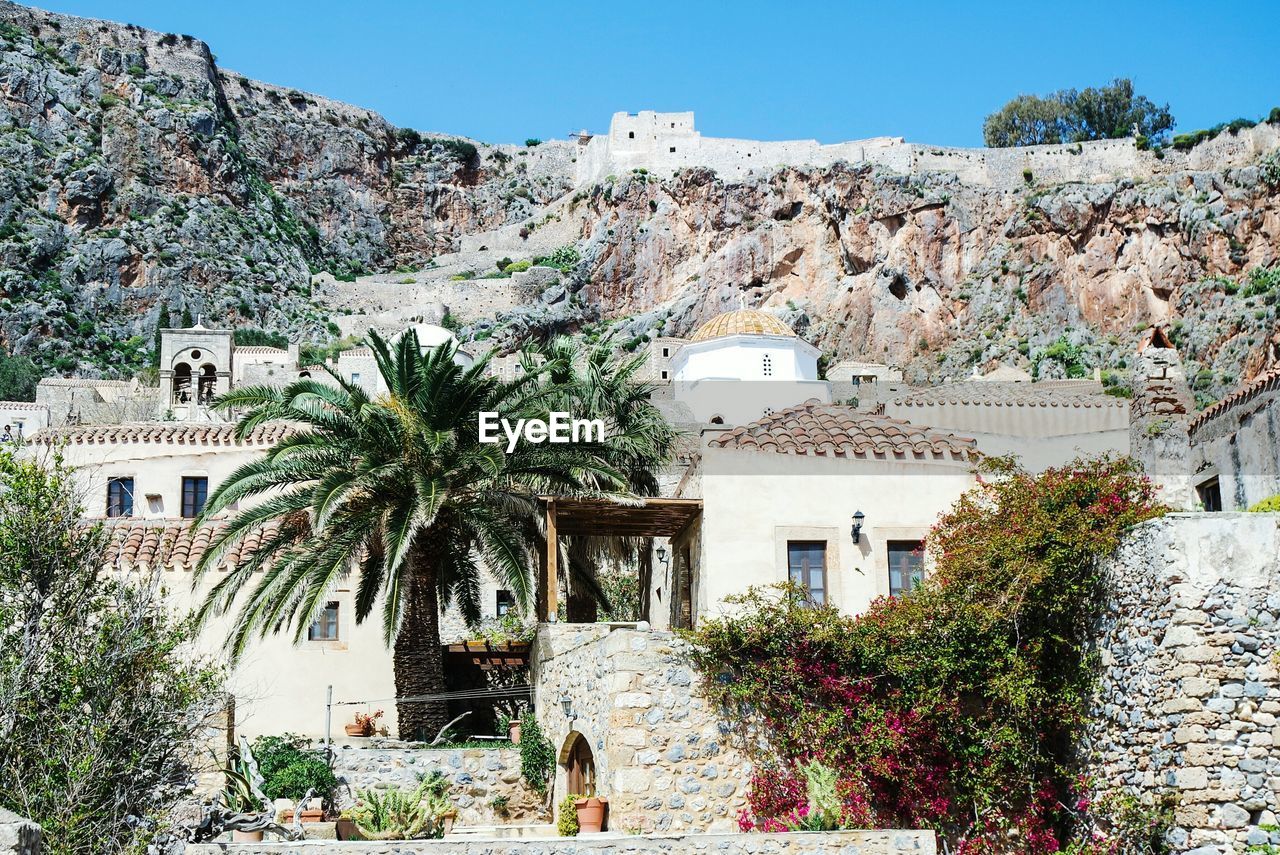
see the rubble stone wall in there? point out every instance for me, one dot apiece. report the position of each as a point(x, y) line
point(477, 776)
point(663, 757)
point(795, 843)
point(1189, 695)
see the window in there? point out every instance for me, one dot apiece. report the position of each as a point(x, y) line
point(325, 627)
point(355, 376)
point(666, 351)
point(195, 489)
point(665, 375)
point(1210, 493)
point(120, 497)
point(906, 565)
point(672, 149)
point(506, 602)
point(631, 135)
point(807, 566)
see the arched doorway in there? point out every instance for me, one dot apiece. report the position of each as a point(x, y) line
point(579, 765)
point(182, 383)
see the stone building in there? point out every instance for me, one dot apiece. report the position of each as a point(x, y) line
point(837, 500)
point(1235, 446)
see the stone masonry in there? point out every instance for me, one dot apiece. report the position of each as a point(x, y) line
point(1189, 698)
point(662, 755)
point(476, 777)
point(801, 843)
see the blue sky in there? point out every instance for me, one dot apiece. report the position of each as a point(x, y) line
point(502, 71)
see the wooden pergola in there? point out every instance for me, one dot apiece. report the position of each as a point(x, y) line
point(651, 517)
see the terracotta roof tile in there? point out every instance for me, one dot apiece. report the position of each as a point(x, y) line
point(835, 430)
point(82, 381)
point(261, 350)
point(170, 544)
point(172, 433)
point(997, 394)
point(1267, 381)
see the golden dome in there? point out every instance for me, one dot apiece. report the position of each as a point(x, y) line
point(742, 322)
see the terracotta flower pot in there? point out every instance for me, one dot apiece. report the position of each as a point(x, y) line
point(356, 730)
point(346, 830)
point(590, 814)
point(246, 836)
point(513, 731)
point(447, 820)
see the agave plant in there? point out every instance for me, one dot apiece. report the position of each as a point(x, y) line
point(401, 814)
point(243, 791)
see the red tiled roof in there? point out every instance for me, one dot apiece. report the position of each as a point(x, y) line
point(171, 544)
point(835, 430)
point(173, 433)
point(1267, 381)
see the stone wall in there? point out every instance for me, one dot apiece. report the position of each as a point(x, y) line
point(662, 755)
point(801, 843)
point(1189, 697)
point(18, 835)
point(666, 151)
point(476, 776)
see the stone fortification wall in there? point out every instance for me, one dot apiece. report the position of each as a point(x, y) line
point(1189, 696)
point(665, 150)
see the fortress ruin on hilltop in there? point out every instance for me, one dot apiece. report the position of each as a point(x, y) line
point(664, 143)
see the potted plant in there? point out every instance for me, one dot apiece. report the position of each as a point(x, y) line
point(513, 730)
point(346, 827)
point(365, 724)
point(245, 808)
point(590, 813)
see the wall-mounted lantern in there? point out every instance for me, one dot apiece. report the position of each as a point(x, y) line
point(662, 554)
point(566, 704)
point(856, 531)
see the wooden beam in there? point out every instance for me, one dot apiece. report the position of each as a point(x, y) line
point(552, 549)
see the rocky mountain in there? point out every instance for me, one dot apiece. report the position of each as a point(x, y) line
point(142, 182)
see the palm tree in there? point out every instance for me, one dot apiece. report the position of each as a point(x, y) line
point(396, 491)
point(601, 383)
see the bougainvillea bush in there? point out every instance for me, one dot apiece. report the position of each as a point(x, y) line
point(955, 707)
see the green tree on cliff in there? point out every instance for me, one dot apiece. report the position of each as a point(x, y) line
point(1104, 112)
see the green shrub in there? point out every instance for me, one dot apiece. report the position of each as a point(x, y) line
point(565, 259)
point(104, 702)
point(567, 818)
point(970, 690)
point(537, 755)
point(289, 770)
point(517, 267)
point(1269, 505)
point(532, 141)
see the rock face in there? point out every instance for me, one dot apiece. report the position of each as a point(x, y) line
point(1188, 699)
point(138, 176)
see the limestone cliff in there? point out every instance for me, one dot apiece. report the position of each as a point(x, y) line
point(138, 177)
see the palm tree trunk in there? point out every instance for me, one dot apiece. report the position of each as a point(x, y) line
point(418, 660)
